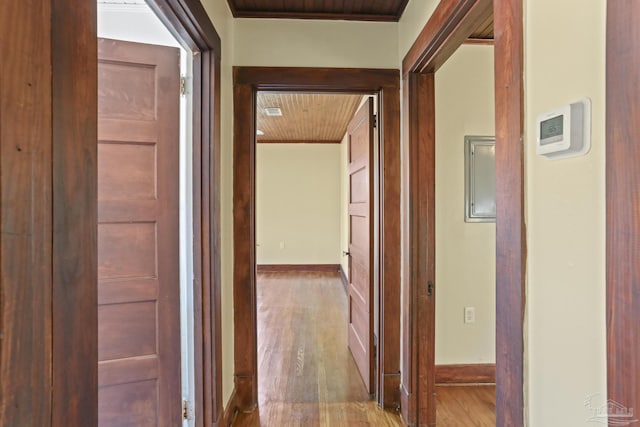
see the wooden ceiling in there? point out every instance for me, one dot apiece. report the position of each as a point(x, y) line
point(306, 117)
point(354, 10)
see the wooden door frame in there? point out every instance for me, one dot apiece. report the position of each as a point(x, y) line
point(449, 26)
point(622, 183)
point(60, 172)
point(188, 21)
point(247, 82)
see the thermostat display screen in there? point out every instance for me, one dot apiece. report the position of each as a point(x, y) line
point(551, 130)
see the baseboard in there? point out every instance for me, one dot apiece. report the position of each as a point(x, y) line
point(230, 411)
point(343, 276)
point(484, 373)
point(271, 268)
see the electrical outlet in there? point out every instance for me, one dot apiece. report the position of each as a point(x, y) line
point(281, 245)
point(469, 315)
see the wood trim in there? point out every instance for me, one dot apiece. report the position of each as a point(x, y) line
point(623, 209)
point(74, 181)
point(419, 342)
point(48, 257)
point(316, 15)
point(269, 268)
point(511, 250)
point(271, 141)
point(489, 42)
point(390, 260)
point(188, 21)
point(25, 258)
point(230, 411)
point(350, 80)
point(484, 373)
point(449, 27)
point(247, 81)
point(244, 262)
point(343, 278)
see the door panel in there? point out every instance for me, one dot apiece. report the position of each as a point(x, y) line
point(360, 154)
point(138, 259)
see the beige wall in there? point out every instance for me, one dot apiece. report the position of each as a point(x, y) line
point(565, 60)
point(298, 203)
point(412, 22)
point(286, 42)
point(465, 252)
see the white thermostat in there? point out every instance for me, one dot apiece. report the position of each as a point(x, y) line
point(565, 131)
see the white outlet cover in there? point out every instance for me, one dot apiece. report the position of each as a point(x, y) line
point(469, 315)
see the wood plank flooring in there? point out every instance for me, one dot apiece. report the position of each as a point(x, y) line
point(466, 406)
point(306, 375)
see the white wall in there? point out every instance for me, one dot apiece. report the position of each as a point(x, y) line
point(133, 22)
point(465, 252)
point(298, 203)
point(565, 60)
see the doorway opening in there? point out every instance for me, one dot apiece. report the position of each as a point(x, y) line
point(317, 277)
point(465, 237)
point(248, 82)
point(453, 22)
point(145, 237)
point(158, 214)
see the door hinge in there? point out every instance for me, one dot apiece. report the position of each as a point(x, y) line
point(375, 121)
point(183, 85)
point(187, 411)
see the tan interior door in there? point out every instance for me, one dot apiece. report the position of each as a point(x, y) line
point(360, 169)
point(138, 253)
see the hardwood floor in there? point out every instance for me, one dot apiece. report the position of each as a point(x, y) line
point(466, 406)
point(306, 374)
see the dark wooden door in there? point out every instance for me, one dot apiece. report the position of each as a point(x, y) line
point(138, 254)
point(360, 169)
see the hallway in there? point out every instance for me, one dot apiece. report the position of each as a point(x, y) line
point(307, 377)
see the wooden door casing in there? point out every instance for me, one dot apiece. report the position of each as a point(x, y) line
point(138, 237)
point(361, 204)
point(622, 202)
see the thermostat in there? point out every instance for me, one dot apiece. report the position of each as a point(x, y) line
point(565, 131)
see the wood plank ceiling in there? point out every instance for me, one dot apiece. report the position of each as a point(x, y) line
point(306, 117)
point(356, 10)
